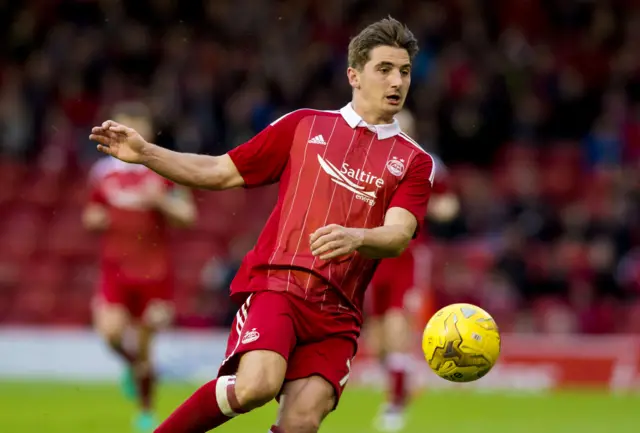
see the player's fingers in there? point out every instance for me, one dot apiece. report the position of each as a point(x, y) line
point(318, 242)
point(320, 232)
point(106, 134)
point(322, 240)
point(329, 246)
point(104, 149)
point(104, 140)
point(121, 129)
point(336, 253)
point(98, 130)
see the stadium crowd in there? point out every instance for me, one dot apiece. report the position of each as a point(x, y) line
point(538, 127)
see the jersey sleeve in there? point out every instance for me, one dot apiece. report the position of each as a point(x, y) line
point(414, 190)
point(262, 160)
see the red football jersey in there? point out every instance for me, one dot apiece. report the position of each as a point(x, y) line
point(135, 244)
point(333, 168)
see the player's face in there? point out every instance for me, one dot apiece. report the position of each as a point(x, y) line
point(384, 80)
point(139, 123)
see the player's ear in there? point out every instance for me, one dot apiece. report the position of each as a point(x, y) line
point(354, 77)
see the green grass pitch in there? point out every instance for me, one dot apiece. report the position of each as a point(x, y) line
point(34, 407)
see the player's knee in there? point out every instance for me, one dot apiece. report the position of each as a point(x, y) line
point(304, 417)
point(397, 331)
point(112, 331)
point(158, 315)
point(254, 390)
point(113, 336)
point(375, 336)
point(305, 403)
point(302, 423)
point(110, 323)
point(259, 378)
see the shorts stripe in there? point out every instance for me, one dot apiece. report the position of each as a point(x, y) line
point(241, 318)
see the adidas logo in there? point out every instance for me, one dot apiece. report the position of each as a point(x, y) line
point(318, 139)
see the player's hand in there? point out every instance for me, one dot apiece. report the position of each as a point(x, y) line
point(119, 141)
point(334, 241)
point(155, 193)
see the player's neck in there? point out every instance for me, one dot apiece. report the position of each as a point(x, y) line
point(369, 115)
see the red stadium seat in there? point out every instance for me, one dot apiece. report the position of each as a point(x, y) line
point(632, 315)
point(516, 153)
point(11, 179)
point(42, 188)
point(73, 308)
point(74, 192)
point(44, 273)
point(21, 231)
point(10, 273)
point(68, 238)
point(42, 283)
point(562, 172)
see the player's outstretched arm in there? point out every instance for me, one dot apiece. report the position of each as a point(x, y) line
point(195, 171)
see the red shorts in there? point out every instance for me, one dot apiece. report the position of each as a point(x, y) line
point(134, 296)
point(391, 282)
point(312, 342)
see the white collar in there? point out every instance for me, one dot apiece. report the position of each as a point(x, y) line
point(353, 119)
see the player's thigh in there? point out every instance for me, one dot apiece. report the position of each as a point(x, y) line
point(305, 403)
point(329, 359)
point(259, 346)
point(151, 304)
point(374, 334)
point(259, 377)
point(157, 314)
point(397, 319)
point(397, 330)
point(110, 319)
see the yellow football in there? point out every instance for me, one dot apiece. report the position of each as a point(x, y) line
point(461, 342)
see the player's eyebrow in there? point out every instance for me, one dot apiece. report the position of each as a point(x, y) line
point(391, 64)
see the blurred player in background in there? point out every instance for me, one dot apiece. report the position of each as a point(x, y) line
point(353, 189)
point(394, 292)
point(131, 206)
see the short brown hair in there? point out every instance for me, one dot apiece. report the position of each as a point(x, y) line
point(386, 32)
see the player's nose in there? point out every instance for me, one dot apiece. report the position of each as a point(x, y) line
point(395, 79)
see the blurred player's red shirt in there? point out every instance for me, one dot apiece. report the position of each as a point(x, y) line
point(396, 277)
point(135, 245)
point(333, 169)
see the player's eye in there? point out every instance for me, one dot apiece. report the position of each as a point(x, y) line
point(405, 72)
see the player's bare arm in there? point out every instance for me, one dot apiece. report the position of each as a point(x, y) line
point(178, 207)
point(195, 171)
point(95, 217)
point(389, 240)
